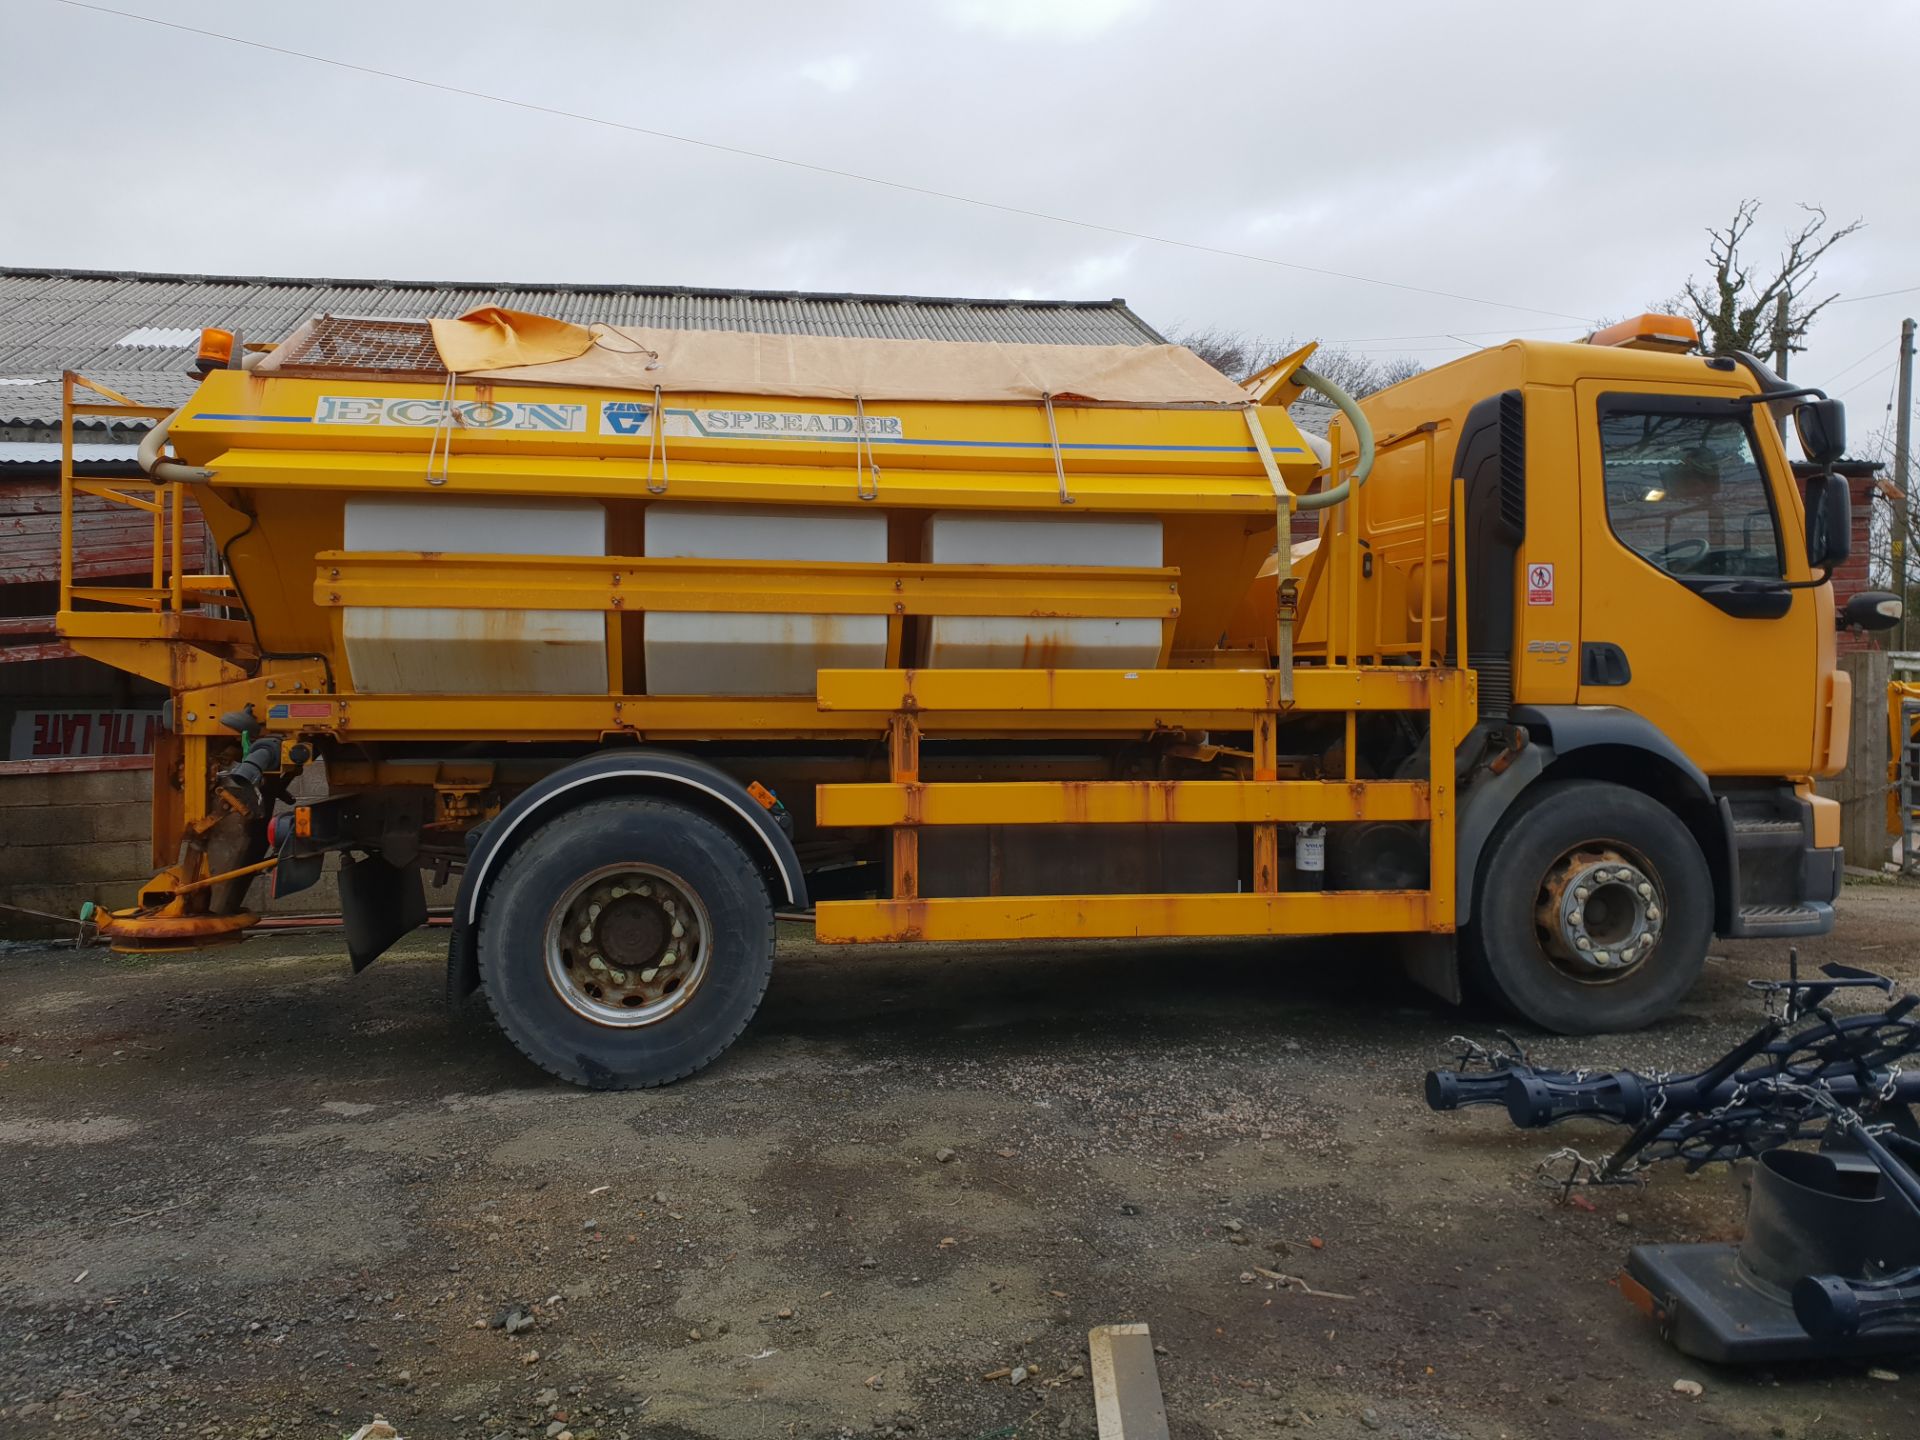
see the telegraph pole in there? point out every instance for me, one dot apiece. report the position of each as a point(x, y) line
point(1902, 442)
point(1780, 346)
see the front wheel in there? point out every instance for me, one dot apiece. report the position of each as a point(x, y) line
point(626, 944)
point(1593, 910)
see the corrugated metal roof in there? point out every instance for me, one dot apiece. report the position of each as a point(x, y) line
point(54, 320)
point(39, 452)
point(38, 403)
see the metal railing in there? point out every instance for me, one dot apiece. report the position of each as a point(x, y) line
point(171, 588)
point(1907, 786)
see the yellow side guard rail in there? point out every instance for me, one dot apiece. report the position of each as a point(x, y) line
point(922, 701)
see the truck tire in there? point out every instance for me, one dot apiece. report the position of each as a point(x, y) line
point(626, 944)
point(1592, 911)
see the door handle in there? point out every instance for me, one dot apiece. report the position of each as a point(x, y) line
point(1604, 663)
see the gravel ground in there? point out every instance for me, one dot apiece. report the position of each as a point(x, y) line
point(250, 1195)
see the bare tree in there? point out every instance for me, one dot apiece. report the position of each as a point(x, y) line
point(1739, 307)
point(1237, 355)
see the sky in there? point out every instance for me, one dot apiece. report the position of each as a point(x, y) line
point(1542, 166)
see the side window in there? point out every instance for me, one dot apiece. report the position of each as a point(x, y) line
point(1685, 493)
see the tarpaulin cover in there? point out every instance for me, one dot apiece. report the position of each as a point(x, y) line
point(492, 338)
point(504, 345)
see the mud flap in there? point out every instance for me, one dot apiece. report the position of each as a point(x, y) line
point(379, 903)
point(1433, 963)
point(295, 873)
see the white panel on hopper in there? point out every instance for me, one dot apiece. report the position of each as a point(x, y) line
point(963, 642)
point(443, 651)
point(760, 654)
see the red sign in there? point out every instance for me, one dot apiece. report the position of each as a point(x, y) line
point(1539, 584)
point(38, 734)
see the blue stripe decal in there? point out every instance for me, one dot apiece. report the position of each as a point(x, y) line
point(978, 444)
point(1016, 444)
point(874, 440)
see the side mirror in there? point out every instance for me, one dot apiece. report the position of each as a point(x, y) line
point(1829, 522)
point(1822, 427)
point(1871, 610)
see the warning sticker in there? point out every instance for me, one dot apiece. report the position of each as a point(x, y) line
point(1539, 584)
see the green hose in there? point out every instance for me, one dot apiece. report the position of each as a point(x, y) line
point(1320, 500)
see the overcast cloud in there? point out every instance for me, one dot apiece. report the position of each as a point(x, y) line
point(1562, 158)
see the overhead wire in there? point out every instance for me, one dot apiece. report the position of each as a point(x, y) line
point(1856, 364)
point(1868, 380)
point(768, 157)
point(1450, 334)
point(1877, 295)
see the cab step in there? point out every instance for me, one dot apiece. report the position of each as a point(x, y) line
point(1770, 922)
point(1756, 826)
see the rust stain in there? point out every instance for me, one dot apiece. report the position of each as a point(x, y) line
point(1073, 802)
point(1041, 655)
point(910, 923)
point(915, 798)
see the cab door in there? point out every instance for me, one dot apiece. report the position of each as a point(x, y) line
point(1691, 531)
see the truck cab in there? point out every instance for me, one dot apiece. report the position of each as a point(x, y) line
point(1645, 614)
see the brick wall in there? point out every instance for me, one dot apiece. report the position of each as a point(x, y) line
point(1851, 578)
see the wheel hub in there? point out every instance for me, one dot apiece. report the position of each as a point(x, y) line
point(1600, 914)
point(627, 945)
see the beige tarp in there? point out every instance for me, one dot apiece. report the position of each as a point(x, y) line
point(503, 345)
point(492, 338)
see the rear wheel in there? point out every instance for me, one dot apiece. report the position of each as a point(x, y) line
point(1593, 911)
point(626, 944)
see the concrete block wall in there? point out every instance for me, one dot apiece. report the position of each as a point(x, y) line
point(69, 837)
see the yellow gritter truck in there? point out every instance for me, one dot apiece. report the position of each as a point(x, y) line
point(647, 636)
